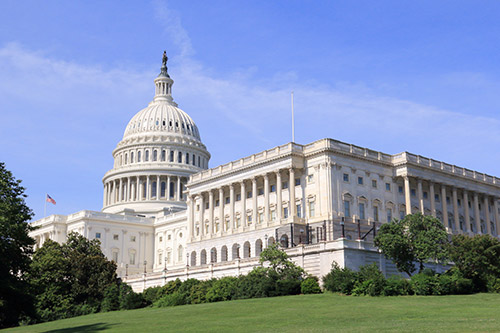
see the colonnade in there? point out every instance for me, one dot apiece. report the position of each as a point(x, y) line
point(143, 188)
point(458, 198)
point(207, 209)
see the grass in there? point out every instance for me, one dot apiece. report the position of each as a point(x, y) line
point(304, 313)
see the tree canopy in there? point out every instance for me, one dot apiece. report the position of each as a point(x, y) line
point(15, 249)
point(416, 238)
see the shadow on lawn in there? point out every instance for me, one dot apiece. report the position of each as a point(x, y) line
point(84, 328)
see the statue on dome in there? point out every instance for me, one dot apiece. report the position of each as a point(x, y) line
point(164, 60)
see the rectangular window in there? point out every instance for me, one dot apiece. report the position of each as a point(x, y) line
point(401, 214)
point(227, 200)
point(347, 208)
point(299, 210)
point(346, 177)
point(260, 191)
point(284, 185)
point(98, 235)
point(362, 211)
point(387, 186)
point(413, 192)
point(273, 215)
point(400, 189)
point(238, 197)
point(285, 212)
point(261, 217)
point(459, 202)
point(436, 197)
point(115, 256)
point(115, 237)
point(310, 179)
point(238, 222)
point(217, 203)
point(312, 209)
point(249, 194)
point(389, 215)
point(132, 258)
point(132, 239)
point(448, 200)
point(273, 188)
point(297, 181)
point(374, 183)
point(360, 180)
point(425, 195)
point(375, 213)
point(161, 239)
point(249, 219)
point(160, 258)
point(207, 205)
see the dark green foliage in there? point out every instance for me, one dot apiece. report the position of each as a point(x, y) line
point(16, 248)
point(152, 294)
point(280, 263)
point(370, 281)
point(172, 299)
point(199, 291)
point(425, 283)
point(223, 289)
point(111, 301)
point(287, 287)
point(477, 258)
point(416, 238)
point(258, 283)
point(128, 299)
point(310, 286)
point(397, 286)
point(340, 279)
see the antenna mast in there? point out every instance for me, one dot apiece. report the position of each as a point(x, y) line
point(293, 123)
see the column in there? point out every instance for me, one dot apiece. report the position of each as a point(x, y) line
point(487, 214)
point(168, 188)
point(407, 195)
point(129, 189)
point(433, 199)
point(221, 209)
point(211, 211)
point(148, 188)
point(105, 195)
point(291, 188)
point(477, 215)
point(158, 187)
point(420, 196)
point(178, 188)
point(137, 189)
point(202, 215)
point(497, 217)
point(444, 205)
point(190, 206)
point(455, 210)
point(254, 201)
point(266, 199)
point(140, 190)
point(243, 203)
point(232, 220)
point(466, 212)
point(279, 207)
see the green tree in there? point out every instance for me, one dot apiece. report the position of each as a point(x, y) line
point(280, 263)
point(16, 248)
point(416, 238)
point(476, 258)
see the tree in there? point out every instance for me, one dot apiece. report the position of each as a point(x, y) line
point(476, 258)
point(416, 238)
point(16, 247)
point(280, 263)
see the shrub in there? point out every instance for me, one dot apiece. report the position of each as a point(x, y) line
point(172, 299)
point(310, 286)
point(186, 288)
point(397, 286)
point(171, 287)
point(111, 300)
point(199, 291)
point(152, 294)
point(493, 285)
point(223, 289)
point(425, 284)
point(340, 279)
point(287, 287)
point(257, 283)
point(129, 299)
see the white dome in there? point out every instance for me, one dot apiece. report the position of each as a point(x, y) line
point(161, 117)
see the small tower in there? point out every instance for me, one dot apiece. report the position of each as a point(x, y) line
point(163, 83)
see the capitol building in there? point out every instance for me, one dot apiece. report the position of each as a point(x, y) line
point(167, 215)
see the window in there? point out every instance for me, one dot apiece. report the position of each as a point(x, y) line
point(163, 189)
point(115, 237)
point(199, 161)
point(168, 257)
point(448, 201)
point(238, 197)
point(169, 237)
point(360, 180)
point(400, 189)
point(146, 156)
point(163, 155)
point(138, 156)
point(389, 215)
point(179, 157)
point(132, 258)
point(284, 185)
point(98, 235)
point(273, 188)
point(273, 215)
point(459, 202)
point(425, 195)
point(362, 211)
point(401, 214)
point(132, 239)
point(260, 191)
point(312, 209)
point(132, 157)
point(161, 239)
point(155, 155)
point(297, 181)
point(375, 213)
point(216, 203)
point(285, 212)
point(153, 190)
point(387, 186)
point(193, 161)
point(249, 219)
point(207, 205)
point(171, 156)
point(310, 179)
point(249, 194)
point(114, 255)
point(187, 158)
point(347, 208)
point(436, 197)
point(261, 217)
point(238, 222)
point(228, 200)
point(346, 177)
point(413, 192)
point(180, 253)
point(374, 183)
point(299, 210)
point(126, 158)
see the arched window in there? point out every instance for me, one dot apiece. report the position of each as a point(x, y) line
point(144, 190)
point(223, 253)
point(163, 189)
point(193, 258)
point(180, 253)
point(203, 257)
point(236, 251)
point(270, 241)
point(179, 157)
point(198, 161)
point(187, 158)
point(126, 158)
point(138, 156)
point(246, 250)
point(213, 255)
point(172, 189)
point(132, 157)
point(284, 241)
point(153, 190)
point(146, 156)
point(155, 155)
point(171, 156)
point(193, 161)
point(258, 247)
point(163, 155)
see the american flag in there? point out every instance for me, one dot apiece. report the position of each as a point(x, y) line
point(49, 199)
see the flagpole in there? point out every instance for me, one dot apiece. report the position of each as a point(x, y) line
point(293, 124)
point(45, 206)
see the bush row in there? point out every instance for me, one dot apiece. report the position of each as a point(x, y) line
point(370, 281)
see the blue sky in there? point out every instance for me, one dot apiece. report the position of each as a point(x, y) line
point(418, 76)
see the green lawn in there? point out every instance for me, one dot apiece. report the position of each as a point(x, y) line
point(308, 313)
